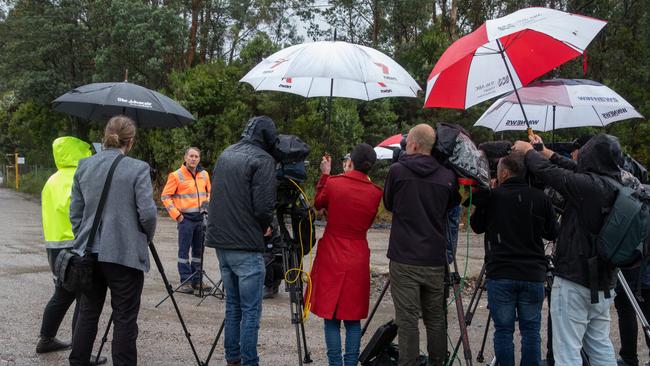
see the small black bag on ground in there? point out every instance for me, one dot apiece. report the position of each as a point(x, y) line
point(381, 351)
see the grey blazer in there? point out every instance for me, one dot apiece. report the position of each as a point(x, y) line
point(129, 218)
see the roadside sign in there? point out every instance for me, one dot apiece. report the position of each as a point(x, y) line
point(21, 160)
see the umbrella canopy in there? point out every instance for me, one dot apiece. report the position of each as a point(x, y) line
point(332, 68)
point(507, 53)
point(558, 103)
point(101, 101)
point(383, 153)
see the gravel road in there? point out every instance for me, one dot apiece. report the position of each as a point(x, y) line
point(26, 285)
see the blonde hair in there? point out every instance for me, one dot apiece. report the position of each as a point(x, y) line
point(424, 135)
point(119, 131)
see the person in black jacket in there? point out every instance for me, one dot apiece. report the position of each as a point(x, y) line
point(581, 294)
point(419, 192)
point(240, 213)
point(515, 217)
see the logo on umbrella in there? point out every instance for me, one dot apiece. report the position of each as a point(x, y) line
point(278, 63)
point(383, 85)
point(285, 83)
point(521, 122)
point(385, 70)
point(614, 113)
point(135, 103)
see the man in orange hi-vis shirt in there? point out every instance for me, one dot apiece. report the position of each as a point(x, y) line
point(186, 192)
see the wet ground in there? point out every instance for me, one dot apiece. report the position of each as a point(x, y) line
point(26, 286)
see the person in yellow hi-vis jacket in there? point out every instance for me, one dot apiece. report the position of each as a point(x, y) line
point(186, 191)
point(57, 230)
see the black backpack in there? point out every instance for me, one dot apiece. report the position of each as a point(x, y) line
point(623, 240)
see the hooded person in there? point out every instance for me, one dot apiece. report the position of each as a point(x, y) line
point(581, 294)
point(57, 231)
point(419, 191)
point(340, 286)
point(240, 213)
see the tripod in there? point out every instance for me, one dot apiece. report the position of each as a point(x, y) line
point(216, 290)
point(170, 293)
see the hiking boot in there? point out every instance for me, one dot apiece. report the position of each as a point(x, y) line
point(269, 293)
point(102, 360)
point(46, 345)
point(206, 288)
point(238, 363)
point(186, 289)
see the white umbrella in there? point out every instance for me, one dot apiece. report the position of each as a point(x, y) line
point(558, 103)
point(383, 153)
point(332, 69)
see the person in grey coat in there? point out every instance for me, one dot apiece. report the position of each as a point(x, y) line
point(120, 245)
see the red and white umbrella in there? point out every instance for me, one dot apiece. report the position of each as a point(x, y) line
point(507, 53)
point(385, 148)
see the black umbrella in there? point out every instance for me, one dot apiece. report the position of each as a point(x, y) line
point(101, 101)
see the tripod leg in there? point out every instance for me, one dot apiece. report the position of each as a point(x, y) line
point(480, 357)
point(635, 304)
point(214, 344)
point(374, 308)
point(174, 290)
point(159, 265)
point(104, 339)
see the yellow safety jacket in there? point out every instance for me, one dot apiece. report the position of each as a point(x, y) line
point(55, 197)
point(184, 192)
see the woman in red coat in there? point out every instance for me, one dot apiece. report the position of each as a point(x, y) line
point(341, 273)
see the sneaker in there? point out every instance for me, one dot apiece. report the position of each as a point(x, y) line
point(51, 345)
point(206, 288)
point(269, 293)
point(186, 289)
point(102, 360)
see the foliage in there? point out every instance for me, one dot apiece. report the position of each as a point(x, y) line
point(196, 51)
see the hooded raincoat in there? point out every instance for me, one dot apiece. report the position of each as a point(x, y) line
point(55, 197)
point(588, 198)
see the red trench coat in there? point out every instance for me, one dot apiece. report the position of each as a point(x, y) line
point(341, 272)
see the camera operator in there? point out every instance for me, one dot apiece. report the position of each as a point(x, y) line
point(341, 273)
point(515, 217)
point(581, 294)
point(419, 191)
point(241, 211)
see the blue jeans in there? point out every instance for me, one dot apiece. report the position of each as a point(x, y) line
point(509, 300)
point(577, 323)
point(190, 236)
point(333, 342)
point(243, 279)
point(453, 223)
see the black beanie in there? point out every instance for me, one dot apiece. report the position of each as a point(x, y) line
point(363, 156)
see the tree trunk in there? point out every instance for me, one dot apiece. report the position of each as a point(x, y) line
point(443, 13)
point(453, 17)
point(376, 18)
point(191, 50)
point(206, 24)
point(434, 12)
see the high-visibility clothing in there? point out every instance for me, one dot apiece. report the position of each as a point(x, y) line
point(184, 192)
point(55, 197)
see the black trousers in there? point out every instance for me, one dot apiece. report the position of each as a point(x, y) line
point(126, 288)
point(58, 305)
point(628, 326)
point(274, 272)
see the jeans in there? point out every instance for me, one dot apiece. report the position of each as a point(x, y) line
point(419, 290)
point(577, 323)
point(628, 326)
point(333, 342)
point(58, 305)
point(453, 223)
point(511, 300)
point(125, 284)
point(243, 279)
point(190, 236)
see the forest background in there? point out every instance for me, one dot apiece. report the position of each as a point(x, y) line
point(195, 51)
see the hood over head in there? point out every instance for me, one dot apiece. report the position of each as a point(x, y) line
point(420, 164)
point(68, 150)
point(601, 155)
point(261, 131)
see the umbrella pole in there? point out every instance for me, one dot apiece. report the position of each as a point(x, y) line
point(329, 117)
point(553, 130)
point(505, 62)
